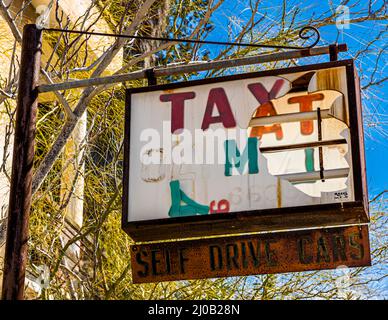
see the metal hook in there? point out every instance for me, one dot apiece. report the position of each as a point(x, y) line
point(302, 35)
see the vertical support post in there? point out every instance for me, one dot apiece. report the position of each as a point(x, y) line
point(320, 150)
point(151, 78)
point(22, 163)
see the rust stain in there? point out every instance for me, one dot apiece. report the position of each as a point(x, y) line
point(329, 79)
point(332, 79)
point(169, 90)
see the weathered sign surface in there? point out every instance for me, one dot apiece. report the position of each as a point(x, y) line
point(249, 255)
point(272, 150)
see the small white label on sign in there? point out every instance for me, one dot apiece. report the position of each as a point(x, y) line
point(341, 195)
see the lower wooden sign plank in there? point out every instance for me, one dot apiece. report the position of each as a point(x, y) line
point(290, 251)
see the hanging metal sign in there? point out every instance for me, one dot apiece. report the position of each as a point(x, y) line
point(254, 254)
point(272, 150)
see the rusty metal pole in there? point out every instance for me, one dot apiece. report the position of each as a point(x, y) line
point(15, 258)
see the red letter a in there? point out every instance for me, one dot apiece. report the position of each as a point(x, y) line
point(265, 110)
point(306, 104)
point(217, 96)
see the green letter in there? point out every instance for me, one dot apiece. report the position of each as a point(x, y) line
point(249, 155)
point(177, 196)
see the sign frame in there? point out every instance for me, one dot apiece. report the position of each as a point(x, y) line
point(276, 219)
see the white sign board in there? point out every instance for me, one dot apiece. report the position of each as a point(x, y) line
point(238, 144)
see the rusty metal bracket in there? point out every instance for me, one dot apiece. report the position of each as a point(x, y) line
point(151, 77)
point(190, 68)
point(333, 52)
